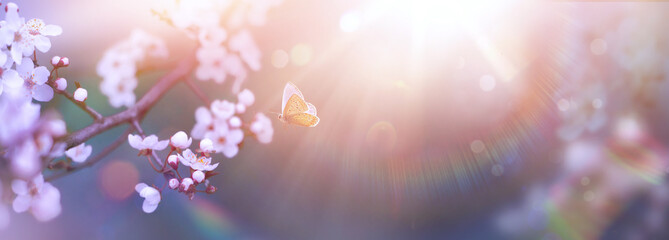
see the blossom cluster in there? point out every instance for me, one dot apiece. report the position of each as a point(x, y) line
point(120, 63)
point(28, 135)
point(222, 123)
point(198, 163)
point(202, 20)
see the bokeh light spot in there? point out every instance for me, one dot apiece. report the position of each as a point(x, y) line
point(597, 103)
point(382, 135)
point(563, 105)
point(301, 54)
point(118, 179)
point(350, 21)
point(497, 170)
point(585, 181)
point(477, 146)
point(589, 196)
point(280, 58)
point(487, 83)
point(598, 46)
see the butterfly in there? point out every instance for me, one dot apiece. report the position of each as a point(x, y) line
point(294, 110)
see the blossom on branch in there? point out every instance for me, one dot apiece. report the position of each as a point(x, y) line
point(79, 153)
point(146, 144)
point(151, 197)
point(41, 198)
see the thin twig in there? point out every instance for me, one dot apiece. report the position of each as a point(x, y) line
point(137, 111)
point(200, 94)
point(110, 148)
point(135, 123)
point(94, 114)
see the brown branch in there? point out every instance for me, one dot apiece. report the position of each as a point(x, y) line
point(137, 111)
point(200, 94)
point(94, 114)
point(96, 158)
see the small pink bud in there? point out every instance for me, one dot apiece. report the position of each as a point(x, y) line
point(211, 189)
point(80, 94)
point(61, 84)
point(240, 108)
point(65, 61)
point(235, 122)
point(206, 145)
point(198, 176)
point(172, 161)
point(180, 140)
point(186, 183)
point(55, 60)
point(174, 183)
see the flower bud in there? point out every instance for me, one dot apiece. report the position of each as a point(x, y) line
point(235, 122)
point(198, 176)
point(246, 97)
point(11, 6)
point(180, 140)
point(174, 183)
point(65, 61)
point(211, 189)
point(240, 108)
point(55, 60)
point(80, 94)
point(61, 84)
point(186, 183)
point(206, 145)
point(172, 161)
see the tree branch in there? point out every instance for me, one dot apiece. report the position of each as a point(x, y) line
point(137, 111)
point(96, 158)
point(94, 114)
point(200, 94)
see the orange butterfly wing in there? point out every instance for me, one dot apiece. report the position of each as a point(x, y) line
point(295, 105)
point(303, 119)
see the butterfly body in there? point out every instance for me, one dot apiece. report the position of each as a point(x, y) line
point(295, 110)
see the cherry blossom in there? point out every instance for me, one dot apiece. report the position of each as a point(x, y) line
point(198, 176)
point(61, 84)
point(147, 143)
point(262, 128)
point(173, 183)
point(186, 184)
point(180, 140)
point(10, 79)
point(80, 94)
point(35, 80)
point(222, 109)
point(18, 116)
point(120, 63)
point(173, 161)
point(246, 97)
point(119, 90)
point(151, 197)
point(29, 36)
point(212, 36)
point(203, 122)
point(206, 145)
point(41, 198)
point(25, 161)
point(243, 43)
point(212, 63)
point(226, 140)
point(202, 163)
point(79, 153)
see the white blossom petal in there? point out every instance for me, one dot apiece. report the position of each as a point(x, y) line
point(42, 93)
point(52, 30)
point(42, 43)
point(135, 141)
point(21, 203)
